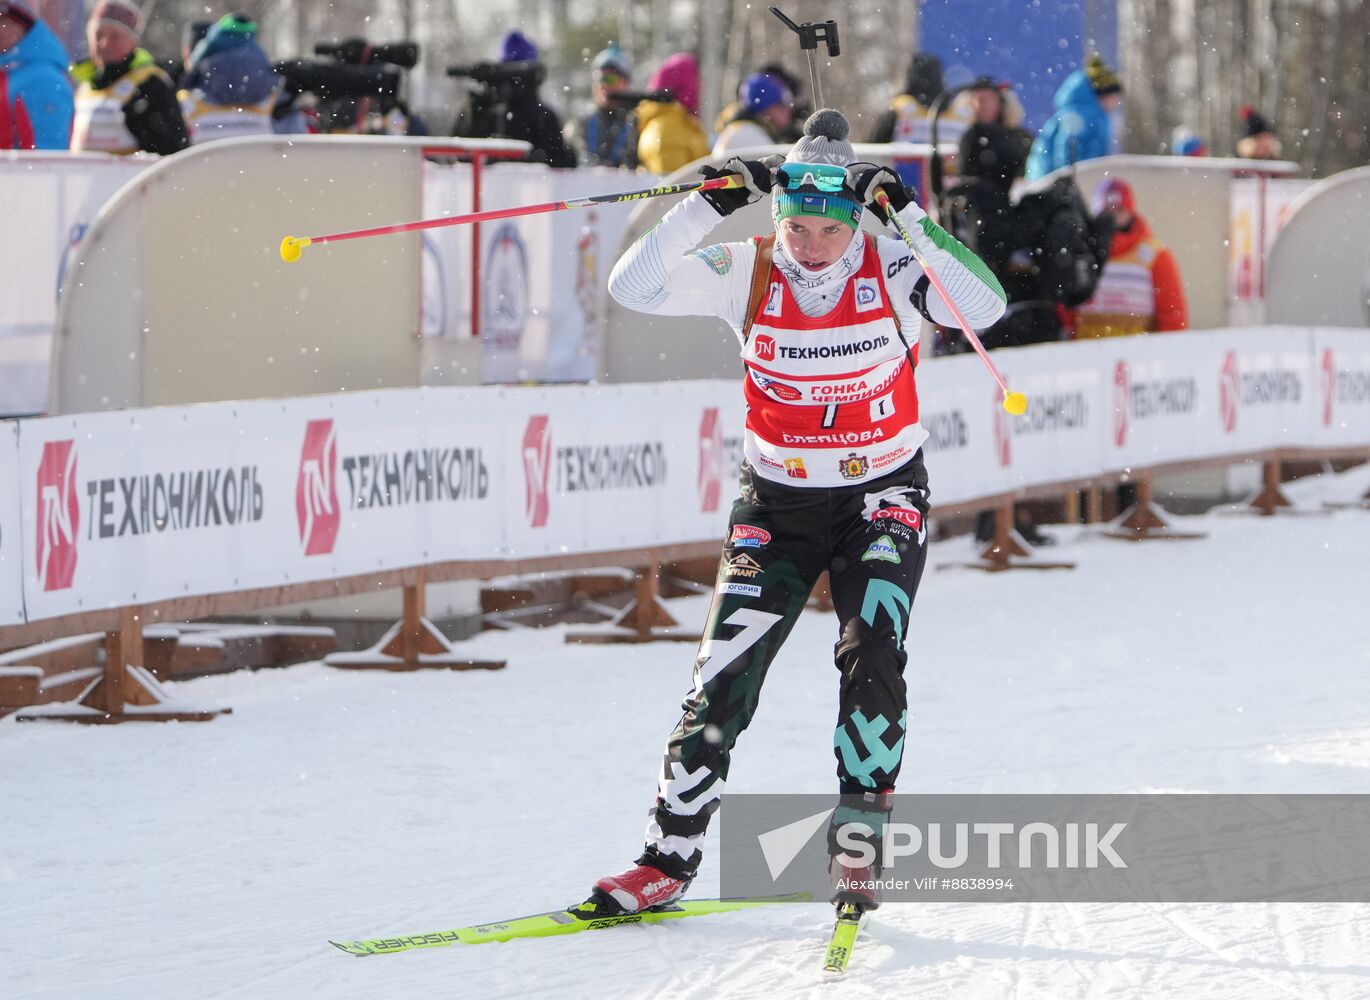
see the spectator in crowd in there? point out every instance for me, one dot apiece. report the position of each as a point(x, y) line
point(1258, 141)
point(979, 212)
point(514, 109)
point(125, 102)
point(35, 94)
point(192, 36)
point(987, 101)
point(229, 88)
point(764, 113)
point(1079, 127)
point(607, 135)
point(1184, 141)
point(799, 109)
point(907, 118)
point(669, 133)
point(1139, 290)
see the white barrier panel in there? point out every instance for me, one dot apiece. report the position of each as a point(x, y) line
point(1342, 373)
point(147, 505)
point(47, 202)
point(11, 541)
point(139, 506)
point(544, 277)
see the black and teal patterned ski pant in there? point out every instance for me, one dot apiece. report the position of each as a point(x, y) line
point(872, 540)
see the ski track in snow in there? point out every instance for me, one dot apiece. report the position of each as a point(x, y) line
point(214, 860)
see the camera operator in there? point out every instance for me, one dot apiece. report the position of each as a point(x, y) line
point(507, 105)
point(356, 91)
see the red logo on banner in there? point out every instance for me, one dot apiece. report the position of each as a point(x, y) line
point(1229, 392)
point(59, 515)
point(710, 481)
point(904, 515)
point(1122, 399)
point(1329, 386)
point(1003, 434)
point(765, 347)
point(316, 489)
point(537, 468)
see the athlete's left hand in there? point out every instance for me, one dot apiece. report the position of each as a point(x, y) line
point(866, 178)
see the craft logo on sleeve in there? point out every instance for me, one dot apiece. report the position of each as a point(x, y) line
point(710, 479)
point(58, 515)
point(1122, 399)
point(316, 489)
point(1229, 392)
point(537, 469)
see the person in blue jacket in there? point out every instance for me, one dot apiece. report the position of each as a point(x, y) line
point(1079, 128)
point(35, 91)
point(229, 88)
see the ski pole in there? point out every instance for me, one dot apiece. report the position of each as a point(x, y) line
point(1014, 402)
point(292, 246)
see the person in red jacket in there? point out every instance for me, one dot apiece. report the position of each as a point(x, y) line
point(1140, 290)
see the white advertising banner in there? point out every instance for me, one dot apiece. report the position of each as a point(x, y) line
point(11, 540)
point(1341, 402)
point(51, 200)
point(597, 469)
point(543, 277)
point(131, 507)
point(446, 281)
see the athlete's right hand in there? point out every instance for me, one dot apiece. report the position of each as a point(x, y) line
point(757, 178)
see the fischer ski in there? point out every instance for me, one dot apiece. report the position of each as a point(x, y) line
point(843, 938)
point(587, 916)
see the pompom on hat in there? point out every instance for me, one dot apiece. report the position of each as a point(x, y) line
point(824, 143)
point(612, 59)
point(1101, 77)
point(517, 47)
point(1253, 122)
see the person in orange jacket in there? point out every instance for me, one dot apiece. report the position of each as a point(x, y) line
point(1140, 290)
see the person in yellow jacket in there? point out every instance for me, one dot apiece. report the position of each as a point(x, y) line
point(125, 102)
point(669, 133)
point(1140, 289)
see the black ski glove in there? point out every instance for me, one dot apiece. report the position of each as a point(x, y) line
point(864, 178)
point(756, 177)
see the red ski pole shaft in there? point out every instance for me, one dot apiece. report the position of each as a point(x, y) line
point(1014, 402)
point(291, 246)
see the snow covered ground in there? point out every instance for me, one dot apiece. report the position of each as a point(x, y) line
point(215, 860)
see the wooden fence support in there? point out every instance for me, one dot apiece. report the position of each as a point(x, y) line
point(645, 619)
point(1094, 505)
point(1271, 498)
point(125, 691)
point(1144, 522)
point(1007, 549)
point(413, 642)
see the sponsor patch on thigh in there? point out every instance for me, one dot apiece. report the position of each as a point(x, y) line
point(745, 589)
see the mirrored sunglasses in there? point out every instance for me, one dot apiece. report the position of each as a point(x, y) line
point(812, 176)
